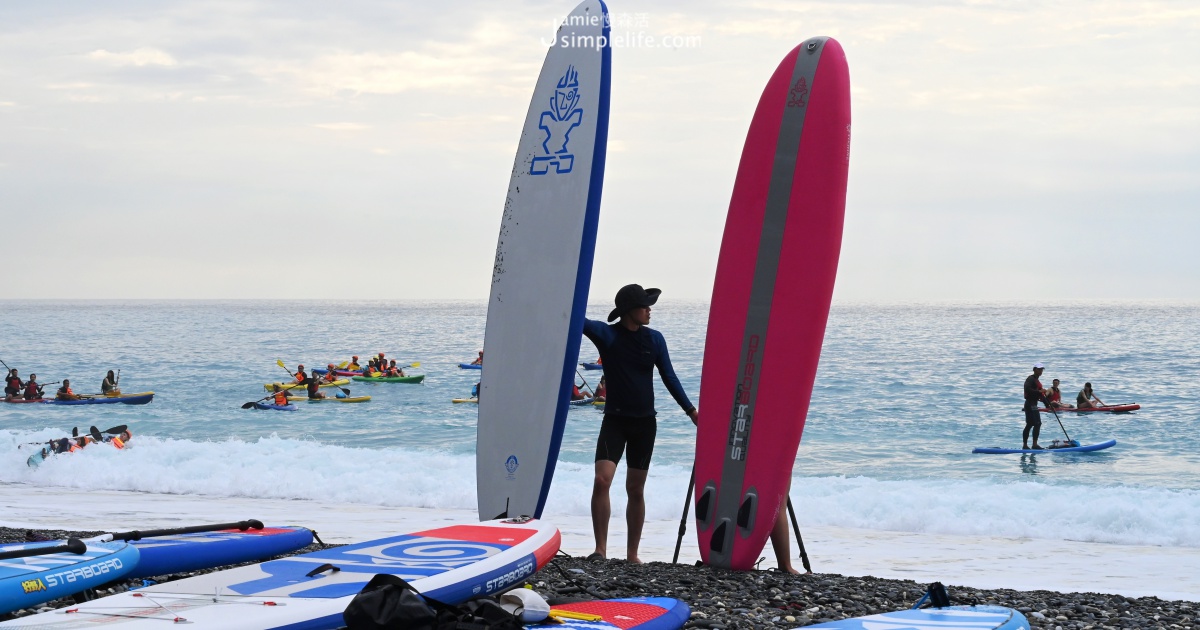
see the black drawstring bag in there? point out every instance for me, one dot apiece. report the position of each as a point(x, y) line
point(388, 602)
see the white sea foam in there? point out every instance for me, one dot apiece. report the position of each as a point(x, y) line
point(286, 468)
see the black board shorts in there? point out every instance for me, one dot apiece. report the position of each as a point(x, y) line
point(1033, 417)
point(617, 432)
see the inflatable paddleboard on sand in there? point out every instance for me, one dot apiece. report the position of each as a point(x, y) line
point(542, 270)
point(310, 591)
point(774, 281)
point(635, 613)
point(31, 580)
point(948, 618)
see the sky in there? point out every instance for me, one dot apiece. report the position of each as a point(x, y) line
point(1001, 151)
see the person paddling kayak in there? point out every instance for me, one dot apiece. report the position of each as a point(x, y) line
point(330, 373)
point(353, 365)
point(279, 394)
point(1033, 417)
point(301, 375)
point(1087, 398)
point(109, 386)
point(13, 385)
point(64, 392)
point(1054, 396)
point(479, 359)
point(33, 391)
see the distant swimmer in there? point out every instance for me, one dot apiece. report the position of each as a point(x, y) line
point(64, 392)
point(631, 351)
point(1087, 398)
point(33, 391)
point(479, 359)
point(1033, 417)
point(109, 386)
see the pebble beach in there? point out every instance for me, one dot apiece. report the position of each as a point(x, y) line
point(767, 599)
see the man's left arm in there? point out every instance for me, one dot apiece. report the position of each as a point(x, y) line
point(667, 373)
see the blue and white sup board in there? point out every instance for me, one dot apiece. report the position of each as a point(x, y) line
point(543, 269)
point(161, 555)
point(310, 591)
point(31, 580)
point(948, 618)
point(1086, 448)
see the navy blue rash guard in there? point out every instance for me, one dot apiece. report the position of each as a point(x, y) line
point(629, 359)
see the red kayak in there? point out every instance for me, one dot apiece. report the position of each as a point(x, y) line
point(22, 400)
point(1104, 409)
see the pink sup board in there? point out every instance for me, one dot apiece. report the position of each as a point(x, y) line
point(770, 301)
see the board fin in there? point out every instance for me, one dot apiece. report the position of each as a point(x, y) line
point(747, 512)
point(704, 506)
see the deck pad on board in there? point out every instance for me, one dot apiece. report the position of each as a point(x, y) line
point(770, 303)
point(310, 591)
point(949, 618)
point(543, 269)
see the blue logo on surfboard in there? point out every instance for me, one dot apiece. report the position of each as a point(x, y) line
point(511, 465)
point(557, 122)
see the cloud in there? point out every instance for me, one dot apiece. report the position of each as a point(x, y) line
point(140, 57)
point(342, 126)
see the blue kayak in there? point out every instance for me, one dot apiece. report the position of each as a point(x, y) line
point(995, 450)
point(268, 406)
point(470, 366)
point(592, 366)
point(128, 399)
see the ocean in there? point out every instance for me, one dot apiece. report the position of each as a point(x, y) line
point(884, 481)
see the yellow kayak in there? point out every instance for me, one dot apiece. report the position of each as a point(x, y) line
point(464, 400)
point(338, 383)
point(351, 399)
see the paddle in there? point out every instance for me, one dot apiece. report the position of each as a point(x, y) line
point(279, 362)
point(120, 428)
point(194, 529)
point(585, 383)
point(799, 540)
point(687, 504)
point(251, 404)
point(74, 545)
point(1060, 424)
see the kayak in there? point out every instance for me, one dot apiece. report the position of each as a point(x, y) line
point(390, 379)
point(1104, 409)
point(338, 372)
point(22, 400)
point(470, 366)
point(581, 402)
point(337, 383)
point(100, 399)
point(592, 366)
point(350, 399)
point(995, 450)
point(464, 400)
point(268, 406)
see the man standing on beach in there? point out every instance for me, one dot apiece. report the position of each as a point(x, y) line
point(629, 351)
point(1033, 417)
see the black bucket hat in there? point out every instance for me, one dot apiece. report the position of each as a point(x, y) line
point(632, 296)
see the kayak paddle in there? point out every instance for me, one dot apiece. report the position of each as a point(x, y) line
point(74, 545)
point(194, 529)
point(120, 428)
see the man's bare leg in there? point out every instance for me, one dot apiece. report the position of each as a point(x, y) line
point(601, 507)
point(635, 512)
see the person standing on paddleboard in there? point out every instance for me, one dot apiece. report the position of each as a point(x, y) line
point(1033, 417)
point(630, 351)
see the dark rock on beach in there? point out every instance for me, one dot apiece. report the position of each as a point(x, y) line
point(762, 600)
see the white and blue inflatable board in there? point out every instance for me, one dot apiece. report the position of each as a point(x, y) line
point(311, 591)
point(639, 613)
point(32, 580)
point(543, 269)
point(949, 618)
point(161, 555)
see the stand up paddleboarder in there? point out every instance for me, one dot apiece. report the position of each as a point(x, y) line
point(630, 351)
point(1033, 417)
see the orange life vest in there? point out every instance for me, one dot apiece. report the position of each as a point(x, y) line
point(116, 441)
point(281, 398)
